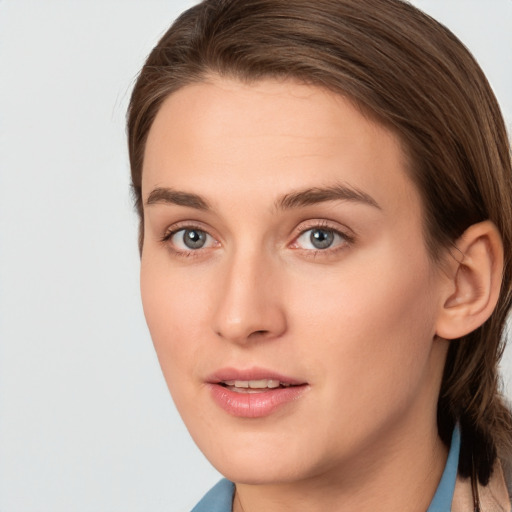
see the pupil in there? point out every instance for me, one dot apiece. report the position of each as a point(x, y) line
point(321, 238)
point(194, 239)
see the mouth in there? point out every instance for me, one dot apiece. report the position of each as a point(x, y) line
point(254, 386)
point(255, 393)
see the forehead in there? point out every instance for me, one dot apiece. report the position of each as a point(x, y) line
point(266, 138)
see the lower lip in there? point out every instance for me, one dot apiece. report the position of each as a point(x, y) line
point(254, 405)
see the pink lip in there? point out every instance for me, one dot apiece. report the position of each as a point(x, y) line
point(251, 374)
point(257, 404)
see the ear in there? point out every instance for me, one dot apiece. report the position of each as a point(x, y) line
point(475, 275)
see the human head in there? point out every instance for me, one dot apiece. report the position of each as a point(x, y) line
point(404, 70)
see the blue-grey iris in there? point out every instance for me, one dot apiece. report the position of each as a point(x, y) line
point(193, 238)
point(321, 238)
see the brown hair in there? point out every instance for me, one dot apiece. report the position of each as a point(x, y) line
point(410, 73)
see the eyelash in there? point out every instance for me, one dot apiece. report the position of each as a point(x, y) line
point(346, 235)
point(347, 239)
point(191, 253)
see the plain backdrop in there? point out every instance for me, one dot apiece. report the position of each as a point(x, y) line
point(86, 422)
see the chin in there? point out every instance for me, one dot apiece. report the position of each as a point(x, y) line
point(264, 473)
point(262, 460)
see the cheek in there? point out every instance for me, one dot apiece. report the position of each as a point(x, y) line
point(176, 307)
point(375, 316)
point(368, 336)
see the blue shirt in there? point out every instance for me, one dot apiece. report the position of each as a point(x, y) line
point(220, 497)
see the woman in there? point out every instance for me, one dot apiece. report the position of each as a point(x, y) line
point(325, 195)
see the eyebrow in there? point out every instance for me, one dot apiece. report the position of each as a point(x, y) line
point(298, 199)
point(317, 195)
point(166, 195)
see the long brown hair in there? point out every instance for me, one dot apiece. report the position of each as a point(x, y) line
point(409, 72)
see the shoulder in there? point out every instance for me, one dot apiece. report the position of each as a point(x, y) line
point(494, 497)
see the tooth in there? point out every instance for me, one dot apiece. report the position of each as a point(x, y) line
point(254, 384)
point(263, 383)
point(258, 384)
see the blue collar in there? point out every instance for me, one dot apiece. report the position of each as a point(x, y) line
point(218, 499)
point(442, 500)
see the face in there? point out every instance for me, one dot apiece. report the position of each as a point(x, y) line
point(285, 280)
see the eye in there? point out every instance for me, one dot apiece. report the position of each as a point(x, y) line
point(320, 239)
point(190, 239)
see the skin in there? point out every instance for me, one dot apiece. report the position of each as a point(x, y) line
point(356, 321)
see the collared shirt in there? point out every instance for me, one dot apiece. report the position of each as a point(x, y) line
point(442, 500)
point(220, 497)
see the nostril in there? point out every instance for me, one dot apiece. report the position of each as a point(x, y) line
point(258, 333)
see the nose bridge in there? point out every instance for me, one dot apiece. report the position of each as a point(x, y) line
point(248, 305)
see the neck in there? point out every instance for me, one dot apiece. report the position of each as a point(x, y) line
point(400, 474)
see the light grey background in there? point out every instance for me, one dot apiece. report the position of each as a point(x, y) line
point(86, 423)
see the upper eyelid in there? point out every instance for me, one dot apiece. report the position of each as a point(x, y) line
point(181, 225)
point(324, 224)
point(171, 232)
point(346, 239)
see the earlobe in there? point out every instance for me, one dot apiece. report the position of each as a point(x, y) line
point(475, 281)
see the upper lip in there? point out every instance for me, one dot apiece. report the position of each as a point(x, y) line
point(229, 374)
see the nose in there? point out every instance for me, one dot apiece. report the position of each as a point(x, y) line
point(250, 305)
